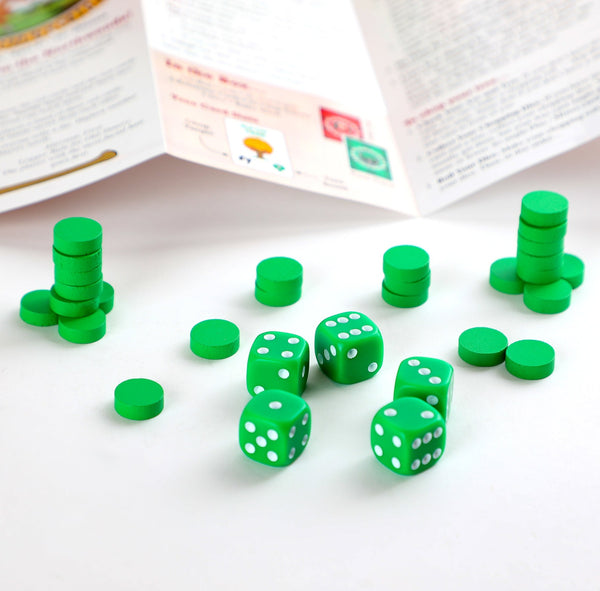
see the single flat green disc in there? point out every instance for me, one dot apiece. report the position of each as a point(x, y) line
point(544, 208)
point(545, 234)
point(405, 263)
point(530, 359)
point(69, 277)
point(84, 330)
point(139, 399)
point(79, 293)
point(77, 236)
point(408, 288)
point(482, 346)
point(504, 278)
point(551, 298)
point(539, 263)
point(276, 297)
point(540, 249)
point(35, 308)
point(107, 297)
point(279, 272)
point(215, 339)
point(72, 309)
point(401, 301)
point(530, 274)
point(573, 270)
point(77, 264)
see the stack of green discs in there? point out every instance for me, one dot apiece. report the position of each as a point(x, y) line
point(79, 299)
point(541, 271)
point(278, 281)
point(406, 276)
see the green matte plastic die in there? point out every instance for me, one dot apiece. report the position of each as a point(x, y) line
point(275, 428)
point(408, 436)
point(427, 378)
point(348, 347)
point(278, 361)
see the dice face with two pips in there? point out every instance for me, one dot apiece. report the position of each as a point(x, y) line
point(408, 436)
point(349, 347)
point(427, 378)
point(275, 427)
point(278, 360)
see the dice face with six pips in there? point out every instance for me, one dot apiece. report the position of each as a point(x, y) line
point(275, 427)
point(408, 436)
point(427, 378)
point(349, 347)
point(278, 360)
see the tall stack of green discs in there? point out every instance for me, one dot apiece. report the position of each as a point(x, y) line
point(541, 271)
point(79, 297)
point(278, 281)
point(406, 276)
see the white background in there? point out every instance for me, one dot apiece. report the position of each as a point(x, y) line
point(90, 501)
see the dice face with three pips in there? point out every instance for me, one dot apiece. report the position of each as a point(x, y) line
point(275, 427)
point(349, 347)
point(278, 360)
point(408, 436)
point(427, 378)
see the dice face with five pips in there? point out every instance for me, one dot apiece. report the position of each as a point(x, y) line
point(275, 427)
point(278, 360)
point(408, 436)
point(349, 347)
point(427, 378)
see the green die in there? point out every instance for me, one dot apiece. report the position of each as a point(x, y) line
point(278, 360)
point(408, 436)
point(275, 427)
point(349, 347)
point(429, 379)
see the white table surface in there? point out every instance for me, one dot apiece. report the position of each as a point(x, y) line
point(90, 501)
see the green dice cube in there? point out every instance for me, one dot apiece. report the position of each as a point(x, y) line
point(278, 360)
point(427, 378)
point(408, 436)
point(348, 347)
point(275, 427)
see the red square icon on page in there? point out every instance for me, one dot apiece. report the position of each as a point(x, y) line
point(337, 125)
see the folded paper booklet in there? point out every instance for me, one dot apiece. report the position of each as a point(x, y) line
point(401, 104)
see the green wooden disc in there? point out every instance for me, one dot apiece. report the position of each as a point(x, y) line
point(504, 278)
point(77, 264)
point(279, 273)
point(79, 293)
point(401, 301)
point(551, 298)
point(139, 399)
point(538, 276)
point(77, 236)
point(215, 339)
point(544, 208)
point(482, 346)
point(67, 276)
point(72, 309)
point(35, 308)
point(546, 234)
point(408, 288)
point(573, 270)
point(539, 263)
point(84, 330)
point(107, 297)
point(405, 263)
point(530, 359)
point(540, 249)
point(277, 298)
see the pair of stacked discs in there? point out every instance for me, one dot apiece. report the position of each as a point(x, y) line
point(541, 271)
point(278, 281)
point(407, 276)
point(79, 299)
point(527, 359)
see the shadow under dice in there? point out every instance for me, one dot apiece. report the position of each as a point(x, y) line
point(408, 436)
point(278, 360)
point(427, 378)
point(275, 427)
point(348, 347)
